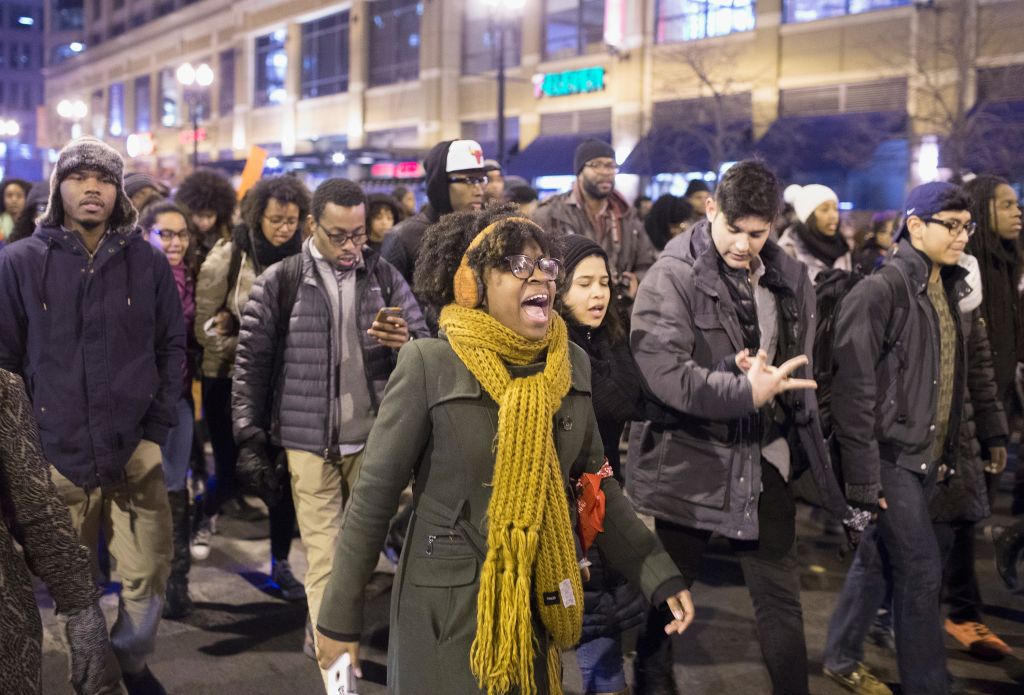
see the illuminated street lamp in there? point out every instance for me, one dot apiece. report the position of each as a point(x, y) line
point(73, 110)
point(503, 14)
point(195, 80)
point(9, 130)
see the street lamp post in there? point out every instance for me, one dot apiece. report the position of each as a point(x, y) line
point(73, 110)
point(9, 129)
point(503, 13)
point(194, 80)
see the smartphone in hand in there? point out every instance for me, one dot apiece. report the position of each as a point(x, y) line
point(387, 312)
point(339, 678)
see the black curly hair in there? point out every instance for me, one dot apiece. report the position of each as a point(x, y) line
point(284, 189)
point(445, 242)
point(25, 186)
point(208, 190)
point(748, 189)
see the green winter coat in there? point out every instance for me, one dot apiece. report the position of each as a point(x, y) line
point(437, 426)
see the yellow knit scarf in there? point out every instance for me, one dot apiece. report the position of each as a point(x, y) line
point(529, 537)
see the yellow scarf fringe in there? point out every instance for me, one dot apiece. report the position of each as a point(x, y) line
point(531, 557)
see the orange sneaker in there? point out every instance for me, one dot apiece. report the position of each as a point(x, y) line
point(978, 640)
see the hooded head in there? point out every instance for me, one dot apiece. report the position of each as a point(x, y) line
point(462, 160)
point(89, 153)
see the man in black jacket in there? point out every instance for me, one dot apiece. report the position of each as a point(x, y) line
point(720, 322)
point(900, 369)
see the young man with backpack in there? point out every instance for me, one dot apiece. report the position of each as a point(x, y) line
point(899, 378)
point(721, 322)
point(313, 358)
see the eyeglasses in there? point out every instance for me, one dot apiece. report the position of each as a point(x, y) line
point(468, 180)
point(602, 166)
point(522, 266)
point(169, 234)
point(279, 222)
point(954, 227)
point(340, 239)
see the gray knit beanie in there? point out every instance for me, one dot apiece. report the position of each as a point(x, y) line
point(90, 153)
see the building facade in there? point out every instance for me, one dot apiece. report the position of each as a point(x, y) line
point(865, 95)
point(21, 88)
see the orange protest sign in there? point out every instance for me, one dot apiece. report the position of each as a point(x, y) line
point(253, 169)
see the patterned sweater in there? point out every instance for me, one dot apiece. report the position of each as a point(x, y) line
point(36, 519)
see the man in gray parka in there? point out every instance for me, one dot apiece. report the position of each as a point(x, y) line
point(721, 321)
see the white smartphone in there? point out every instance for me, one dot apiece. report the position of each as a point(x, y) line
point(339, 678)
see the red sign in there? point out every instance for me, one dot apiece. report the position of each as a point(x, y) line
point(187, 137)
point(409, 170)
point(383, 170)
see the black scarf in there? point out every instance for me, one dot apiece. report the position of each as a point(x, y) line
point(263, 253)
point(827, 249)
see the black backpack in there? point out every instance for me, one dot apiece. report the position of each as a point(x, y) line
point(831, 286)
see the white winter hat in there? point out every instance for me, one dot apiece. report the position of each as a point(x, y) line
point(464, 155)
point(806, 200)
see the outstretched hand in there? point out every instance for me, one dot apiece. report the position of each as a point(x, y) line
point(767, 382)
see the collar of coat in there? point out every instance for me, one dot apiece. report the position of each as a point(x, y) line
point(917, 269)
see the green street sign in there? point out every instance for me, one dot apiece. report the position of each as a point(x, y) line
point(561, 84)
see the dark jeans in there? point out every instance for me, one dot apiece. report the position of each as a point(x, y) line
point(956, 540)
point(770, 570)
point(901, 548)
point(223, 485)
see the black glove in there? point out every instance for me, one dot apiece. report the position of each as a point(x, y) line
point(856, 519)
point(264, 474)
point(87, 639)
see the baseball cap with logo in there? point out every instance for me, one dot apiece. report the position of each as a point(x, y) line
point(464, 155)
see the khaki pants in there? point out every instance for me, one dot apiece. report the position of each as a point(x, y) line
point(136, 519)
point(320, 491)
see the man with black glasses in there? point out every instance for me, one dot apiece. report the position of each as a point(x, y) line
point(595, 209)
point(900, 371)
point(319, 338)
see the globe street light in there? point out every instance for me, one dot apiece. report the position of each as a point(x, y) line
point(73, 110)
point(9, 129)
point(194, 79)
point(503, 14)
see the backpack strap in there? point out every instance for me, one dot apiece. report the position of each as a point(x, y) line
point(893, 342)
point(234, 269)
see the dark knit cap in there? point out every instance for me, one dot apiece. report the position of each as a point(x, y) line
point(696, 186)
point(591, 148)
point(135, 182)
point(578, 247)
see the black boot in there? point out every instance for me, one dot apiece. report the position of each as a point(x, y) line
point(653, 665)
point(143, 683)
point(178, 604)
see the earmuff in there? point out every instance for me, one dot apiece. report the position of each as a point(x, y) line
point(467, 285)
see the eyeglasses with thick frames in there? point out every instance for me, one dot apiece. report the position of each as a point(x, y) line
point(522, 266)
point(340, 239)
point(279, 222)
point(954, 227)
point(169, 234)
point(468, 180)
point(602, 166)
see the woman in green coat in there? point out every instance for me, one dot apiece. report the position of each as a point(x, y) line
point(490, 421)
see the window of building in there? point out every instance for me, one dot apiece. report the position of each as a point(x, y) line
point(69, 15)
point(143, 104)
point(395, 41)
point(810, 10)
point(115, 109)
point(688, 20)
point(480, 37)
point(24, 17)
point(226, 82)
point(271, 68)
point(325, 55)
point(168, 99)
point(572, 27)
point(20, 56)
point(61, 53)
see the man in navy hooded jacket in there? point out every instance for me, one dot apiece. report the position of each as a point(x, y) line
point(91, 319)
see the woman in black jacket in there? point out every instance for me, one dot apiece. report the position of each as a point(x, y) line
point(596, 324)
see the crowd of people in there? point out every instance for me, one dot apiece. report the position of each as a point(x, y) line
point(539, 374)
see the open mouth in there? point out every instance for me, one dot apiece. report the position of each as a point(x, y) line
point(536, 307)
point(596, 311)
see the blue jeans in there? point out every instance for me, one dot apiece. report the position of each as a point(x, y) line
point(600, 661)
point(177, 450)
point(901, 548)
